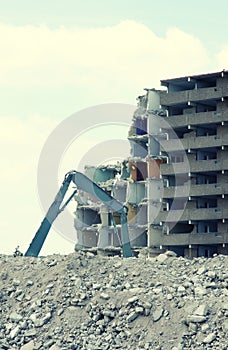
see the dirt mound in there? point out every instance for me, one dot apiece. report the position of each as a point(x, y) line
point(91, 302)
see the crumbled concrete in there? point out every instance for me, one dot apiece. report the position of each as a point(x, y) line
point(84, 301)
point(209, 338)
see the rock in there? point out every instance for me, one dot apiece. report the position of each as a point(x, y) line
point(139, 309)
point(60, 311)
point(211, 274)
point(4, 346)
point(127, 285)
point(118, 264)
point(158, 290)
point(196, 319)
point(104, 296)
point(33, 317)
point(109, 313)
point(157, 314)
point(146, 312)
point(28, 346)
point(209, 338)
point(46, 318)
point(4, 276)
point(132, 299)
point(30, 333)
point(205, 327)
point(170, 253)
point(54, 347)
point(225, 306)
point(169, 297)
point(202, 270)
point(14, 332)
point(199, 291)
point(52, 263)
point(193, 327)
point(16, 282)
point(15, 317)
point(42, 321)
point(181, 289)
point(146, 305)
point(29, 283)
point(132, 316)
point(225, 326)
point(48, 343)
point(202, 310)
point(162, 258)
point(23, 324)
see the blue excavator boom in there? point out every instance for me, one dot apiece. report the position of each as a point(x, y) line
point(83, 183)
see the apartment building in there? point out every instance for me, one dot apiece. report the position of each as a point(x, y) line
point(175, 181)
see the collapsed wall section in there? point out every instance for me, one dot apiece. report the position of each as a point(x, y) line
point(131, 182)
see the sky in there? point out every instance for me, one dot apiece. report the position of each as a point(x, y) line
point(60, 57)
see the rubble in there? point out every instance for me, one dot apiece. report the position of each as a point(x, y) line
point(85, 301)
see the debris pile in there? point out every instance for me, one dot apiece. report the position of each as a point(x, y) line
point(84, 301)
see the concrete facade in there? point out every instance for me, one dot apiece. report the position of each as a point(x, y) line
point(175, 181)
point(197, 111)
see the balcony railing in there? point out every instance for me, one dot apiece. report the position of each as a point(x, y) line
point(202, 118)
point(194, 166)
point(195, 190)
point(185, 239)
point(194, 142)
point(172, 98)
point(194, 214)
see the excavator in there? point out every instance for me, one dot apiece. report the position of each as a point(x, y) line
point(83, 183)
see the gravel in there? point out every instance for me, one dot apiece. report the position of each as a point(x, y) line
point(85, 301)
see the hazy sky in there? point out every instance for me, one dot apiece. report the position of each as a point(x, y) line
point(57, 57)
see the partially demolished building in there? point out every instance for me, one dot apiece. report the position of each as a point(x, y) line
point(175, 181)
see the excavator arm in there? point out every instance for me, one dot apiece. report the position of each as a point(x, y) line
point(83, 183)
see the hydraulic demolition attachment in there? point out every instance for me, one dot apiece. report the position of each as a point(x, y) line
point(83, 183)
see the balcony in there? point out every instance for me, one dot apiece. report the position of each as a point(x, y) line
point(194, 214)
point(203, 118)
point(195, 190)
point(173, 98)
point(194, 143)
point(194, 166)
point(184, 239)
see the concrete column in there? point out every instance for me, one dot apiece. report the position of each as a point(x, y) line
point(104, 237)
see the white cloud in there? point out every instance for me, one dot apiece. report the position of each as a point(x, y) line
point(20, 145)
point(126, 57)
point(127, 53)
point(222, 58)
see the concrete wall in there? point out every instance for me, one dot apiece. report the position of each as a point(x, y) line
point(135, 192)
